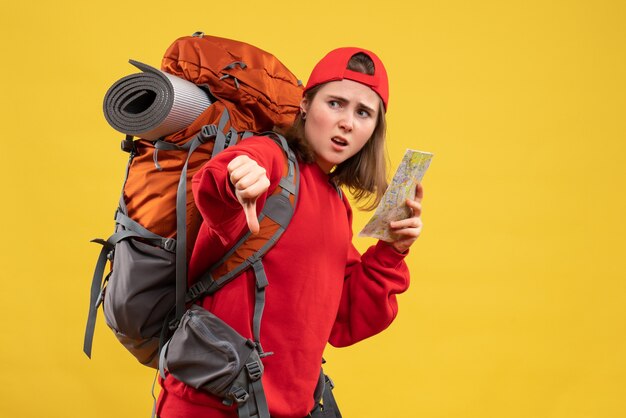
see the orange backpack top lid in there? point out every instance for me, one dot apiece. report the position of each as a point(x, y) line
point(257, 89)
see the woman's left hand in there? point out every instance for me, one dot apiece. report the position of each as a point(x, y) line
point(409, 229)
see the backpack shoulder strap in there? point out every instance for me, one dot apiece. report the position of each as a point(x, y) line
point(250, 249)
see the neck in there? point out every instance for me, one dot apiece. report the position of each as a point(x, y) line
point(326, 167)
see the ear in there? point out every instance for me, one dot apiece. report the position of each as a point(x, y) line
point(304, 105)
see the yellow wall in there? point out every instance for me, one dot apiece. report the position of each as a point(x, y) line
point(518, 300)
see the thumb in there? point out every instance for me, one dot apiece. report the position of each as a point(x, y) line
point(249, 208)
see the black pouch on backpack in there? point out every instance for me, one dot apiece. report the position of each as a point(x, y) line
point(207, 354)
point(139, 296)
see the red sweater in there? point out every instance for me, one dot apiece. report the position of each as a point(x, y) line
point(321, 289)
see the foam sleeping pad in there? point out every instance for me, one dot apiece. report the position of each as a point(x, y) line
point(153, 104)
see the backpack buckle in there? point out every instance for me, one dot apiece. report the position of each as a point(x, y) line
point(254, 370)
point(170, 245)
point(196, 290)
point(128, 145)
point(207, 132)
point(239, 395)
point(173, 324)
point(330, 382)
point(100, 298)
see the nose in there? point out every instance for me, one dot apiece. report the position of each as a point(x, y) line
point(346, 122)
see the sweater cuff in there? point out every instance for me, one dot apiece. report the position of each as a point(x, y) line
point(387, 255)
point(229, 198)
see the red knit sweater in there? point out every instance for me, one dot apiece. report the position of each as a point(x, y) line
point(321, 289)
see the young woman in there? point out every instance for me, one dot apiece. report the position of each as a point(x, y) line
point(321, 289)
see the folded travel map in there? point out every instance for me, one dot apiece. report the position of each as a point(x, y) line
point(393, 206)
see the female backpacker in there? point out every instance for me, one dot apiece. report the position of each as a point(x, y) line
point(321, 290)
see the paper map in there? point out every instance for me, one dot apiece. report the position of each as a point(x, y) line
point(393, 207)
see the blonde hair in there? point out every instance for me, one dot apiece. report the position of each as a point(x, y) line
point(365, 173)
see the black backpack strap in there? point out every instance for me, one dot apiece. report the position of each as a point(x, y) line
point(259, 303)
point(327, 408)
point(97, 287)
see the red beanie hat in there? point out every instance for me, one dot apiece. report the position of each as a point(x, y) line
point(334, 67)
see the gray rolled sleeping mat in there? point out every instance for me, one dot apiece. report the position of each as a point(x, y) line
point(153, 104)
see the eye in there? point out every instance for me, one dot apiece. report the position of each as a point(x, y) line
point(333, 104)
point(363, 113)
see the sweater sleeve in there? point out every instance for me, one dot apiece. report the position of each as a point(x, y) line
point(214, 194)
point(368, 301)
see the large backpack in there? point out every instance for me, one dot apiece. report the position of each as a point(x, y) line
point(145, 293)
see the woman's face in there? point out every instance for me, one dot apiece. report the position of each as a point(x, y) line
point(339, 121)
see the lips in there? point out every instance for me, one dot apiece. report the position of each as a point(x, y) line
point(339, 141)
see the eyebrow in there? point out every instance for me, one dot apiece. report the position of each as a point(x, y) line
point(344, 100)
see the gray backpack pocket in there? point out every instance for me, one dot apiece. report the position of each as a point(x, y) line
point(139, 294)
point(206, 353)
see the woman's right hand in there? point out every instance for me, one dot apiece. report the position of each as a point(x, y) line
point(250, 181)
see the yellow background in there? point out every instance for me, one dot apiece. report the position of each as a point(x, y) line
point(518, 298)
